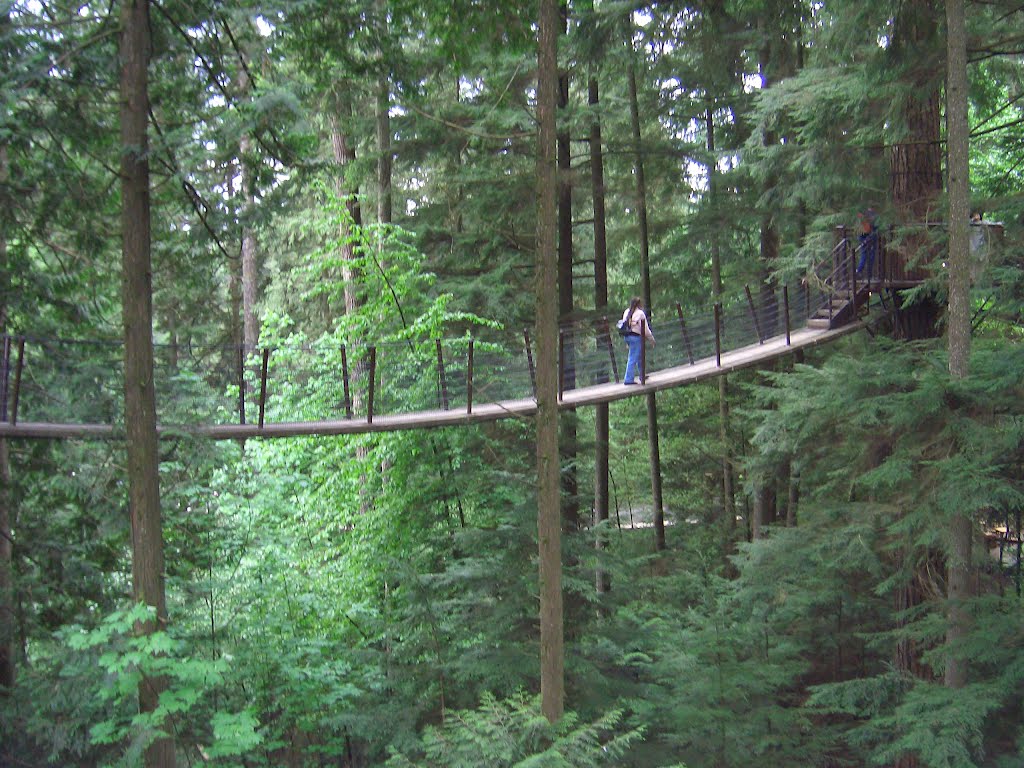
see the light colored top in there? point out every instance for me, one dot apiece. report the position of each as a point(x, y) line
point(637, 321)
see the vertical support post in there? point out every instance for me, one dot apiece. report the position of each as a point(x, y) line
point(372, 383)
point(529, 363)
point(852, 282)
point(718, 334)
point(785, 309)
point(611, 349)
point(5, 375)
point(241, 384)
point(840, 256)
point(753, 315)
point(17, 380)
point(686, 334)
point(440, 373)
point(469, 379)
point(263, 383)
point(561, 363)
point(344, 376)
point(643, 351)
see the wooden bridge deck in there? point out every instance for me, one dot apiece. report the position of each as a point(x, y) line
point(670, 378)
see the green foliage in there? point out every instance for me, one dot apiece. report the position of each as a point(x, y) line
point(512, 732)
point(372, 600)
point(128, 658)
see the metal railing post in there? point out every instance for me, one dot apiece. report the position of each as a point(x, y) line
point(440, 373)
point(263, 383)
point(718, 334)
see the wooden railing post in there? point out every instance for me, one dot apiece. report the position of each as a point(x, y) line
point(344, 376)
point(718, 334)
point(753, 315)
point(839, 256)
point(529, 362)
point(263, 383)
point(440, 373)
point(5, 375)
point(852, 280)
point(372, 384)
point(685, 333)
point(785, 310)
point(611, 348)
point(469, 379)
point(561, 363)
point(643, 351)
point(241, 384)
point(19, 366)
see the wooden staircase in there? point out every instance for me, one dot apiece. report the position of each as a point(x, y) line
point(840, 308)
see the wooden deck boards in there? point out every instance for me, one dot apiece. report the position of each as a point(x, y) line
point(669, 378)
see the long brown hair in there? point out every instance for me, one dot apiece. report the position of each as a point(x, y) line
point(635, 302)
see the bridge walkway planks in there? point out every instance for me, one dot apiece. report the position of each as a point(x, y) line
point(669, 378)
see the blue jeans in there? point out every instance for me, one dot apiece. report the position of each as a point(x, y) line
point(868, 246)
point(633, 342)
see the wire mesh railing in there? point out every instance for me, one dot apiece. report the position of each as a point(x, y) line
point(74, 382)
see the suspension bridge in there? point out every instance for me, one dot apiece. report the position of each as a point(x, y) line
point(73, 388)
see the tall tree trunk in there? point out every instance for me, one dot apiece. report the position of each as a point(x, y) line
point(566, 301)
point(246, 208)
point(601, 428)
point(344, 156)
point(137, 311)
point(728, 495)
point(645, 275)
point(915, 178)
point(7, 618)
point(7, 613)
point(549, 529)
point(384, 161)
point(794, 494)
point(250, 278)
point(959, 321)
point(7, 622)
point(915, 160)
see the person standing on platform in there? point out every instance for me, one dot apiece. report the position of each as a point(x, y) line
point(867, 223)
point(635, 323)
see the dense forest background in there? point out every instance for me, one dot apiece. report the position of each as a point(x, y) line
point(816, 564)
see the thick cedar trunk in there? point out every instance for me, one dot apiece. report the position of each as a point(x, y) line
point(645, 276)
point(915, 160)
point(549, 529)
point(601, 431)
point(959, 319)
point(915, 164)
point(566, 301)
point(915, 174)
point(140, 394)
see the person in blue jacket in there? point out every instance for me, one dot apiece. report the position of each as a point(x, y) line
point(868, 237)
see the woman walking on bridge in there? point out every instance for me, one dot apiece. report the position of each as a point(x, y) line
point(635, 324)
